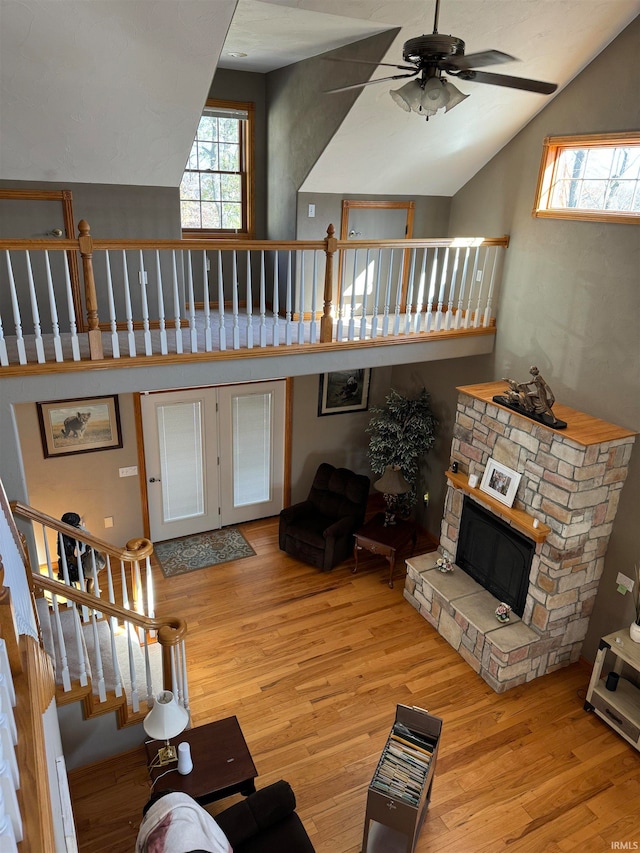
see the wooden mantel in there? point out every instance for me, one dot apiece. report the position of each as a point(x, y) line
point(581, 428)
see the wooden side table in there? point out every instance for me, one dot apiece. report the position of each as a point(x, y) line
point(222, 763)
point(386, 541)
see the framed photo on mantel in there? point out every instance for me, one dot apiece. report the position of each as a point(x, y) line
point(500, 482)
point(344, 391)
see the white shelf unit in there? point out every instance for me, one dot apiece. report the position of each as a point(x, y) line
point(619, 708)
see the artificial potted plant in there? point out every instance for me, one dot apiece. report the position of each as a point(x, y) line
point(401, 432)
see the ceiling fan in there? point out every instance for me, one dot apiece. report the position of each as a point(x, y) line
point(433, 55)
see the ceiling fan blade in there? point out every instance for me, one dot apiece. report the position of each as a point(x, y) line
point(478, 60)
point(367, 62)
point(508, 81)
point(369, 82)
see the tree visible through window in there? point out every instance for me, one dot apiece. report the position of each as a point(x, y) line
point(590, 177)
point(214, 197)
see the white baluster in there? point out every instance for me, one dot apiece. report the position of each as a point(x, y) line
point(83, 675)
point(249, 304)
point(113, 626)
point(113, 323)
point(301, 297)
point(182, 650)
point(142, 278)
point(480, 279)
point(10, 800)
point(463, 284)
point(313, 326)
point(131, 338)
point(147, 669)
point(443, 282)
point(125, 591)
point(468, 312)
point(7, 835)
point(365, 294)
point(208, 344)
point(150, 590)
point(448, 317)
point(17, 319)
point(221, 326)
point(352, 304)
point(263, 302)
point(163, 326)
point(432, 291)
point(409, 301)
point(387, 297)
point(73, 325)
point(376, 297)
point(234, 302)
point(417, 320)
point(135, 700)
point(55, 326)
point(176, 304)
point(6, 708)
point(35, 313)
point(276, 299)
point(487, 313)
point(288, 305)
point(66, 680)
point(396, 319)
point(4, 356)
point(193, 334)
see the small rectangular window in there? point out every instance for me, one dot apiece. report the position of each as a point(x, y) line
point(215, 193)
point(593, 177)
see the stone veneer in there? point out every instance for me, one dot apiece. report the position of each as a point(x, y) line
point(571, 482)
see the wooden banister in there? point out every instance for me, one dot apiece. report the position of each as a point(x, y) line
point(85, 242)
point(326, 323)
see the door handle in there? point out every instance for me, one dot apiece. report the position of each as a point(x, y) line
point(154, 479)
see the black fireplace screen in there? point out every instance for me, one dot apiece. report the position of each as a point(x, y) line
point(495, 555)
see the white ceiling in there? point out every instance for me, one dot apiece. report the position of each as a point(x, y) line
point(110, 91)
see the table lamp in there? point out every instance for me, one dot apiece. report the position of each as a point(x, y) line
point(392, 484)
point(165, 720)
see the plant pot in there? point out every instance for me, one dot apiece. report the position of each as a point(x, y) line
point(634, 632)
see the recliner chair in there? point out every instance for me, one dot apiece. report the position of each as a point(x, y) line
point(319, 531)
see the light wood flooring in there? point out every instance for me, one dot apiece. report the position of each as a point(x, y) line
point(313, 666)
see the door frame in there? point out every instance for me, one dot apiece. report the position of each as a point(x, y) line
point(357, 204)
point(142, 469)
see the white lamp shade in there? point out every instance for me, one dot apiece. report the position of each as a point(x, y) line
point(392, 482)
point(408, 96)
point(455, 96)
point(435, 94)
point(166, 719)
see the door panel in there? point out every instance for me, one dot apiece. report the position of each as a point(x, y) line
point(180, 445)
point(252, 440)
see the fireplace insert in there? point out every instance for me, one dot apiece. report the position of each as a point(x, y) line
point(495, 555)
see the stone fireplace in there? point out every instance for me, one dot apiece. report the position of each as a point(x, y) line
point(564, 507)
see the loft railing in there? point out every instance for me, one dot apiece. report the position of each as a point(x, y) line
point(156, 298)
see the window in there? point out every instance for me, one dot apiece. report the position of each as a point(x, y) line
point(590, 177)
point(216, 191)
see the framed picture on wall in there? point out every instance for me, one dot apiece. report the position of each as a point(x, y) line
point(500, 482)
point(79, 426)
point(344, 391)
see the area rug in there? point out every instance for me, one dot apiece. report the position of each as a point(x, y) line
point(179, 556)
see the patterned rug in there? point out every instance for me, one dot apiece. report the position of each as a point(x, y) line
point(179, 556)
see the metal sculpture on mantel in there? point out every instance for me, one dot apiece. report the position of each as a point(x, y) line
point(533, 399)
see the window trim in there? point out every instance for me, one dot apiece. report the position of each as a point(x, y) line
point(551, 149)
point(247, 177)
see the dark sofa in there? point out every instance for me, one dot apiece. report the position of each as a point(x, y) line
point(319, 531)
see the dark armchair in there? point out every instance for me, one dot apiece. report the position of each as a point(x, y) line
point(320, 530)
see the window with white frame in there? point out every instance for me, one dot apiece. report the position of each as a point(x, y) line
point(215, 192)
point(594, 177)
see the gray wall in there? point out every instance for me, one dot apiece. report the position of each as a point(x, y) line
point(302, 120)
point(570, 300)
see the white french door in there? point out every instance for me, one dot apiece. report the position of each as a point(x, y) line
point(213, 456)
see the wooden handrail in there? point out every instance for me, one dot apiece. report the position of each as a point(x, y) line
point(171, 629)
point(137, 549)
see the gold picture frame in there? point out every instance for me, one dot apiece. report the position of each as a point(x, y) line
point(85, 425)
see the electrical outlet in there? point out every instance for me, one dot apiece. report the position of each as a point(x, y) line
point(425, 498)
point(128, 472)
point(108, 522)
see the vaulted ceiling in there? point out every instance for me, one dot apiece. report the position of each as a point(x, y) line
point(111, 92)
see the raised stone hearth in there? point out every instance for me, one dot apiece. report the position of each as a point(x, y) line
point(566, 503)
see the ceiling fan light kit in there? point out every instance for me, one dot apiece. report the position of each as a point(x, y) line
point(431, 56)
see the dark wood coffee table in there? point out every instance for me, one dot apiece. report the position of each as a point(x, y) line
point(386, 541)
point(222, 763)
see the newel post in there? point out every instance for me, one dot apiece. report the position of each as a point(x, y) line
point(326, 323)
point(85, 242)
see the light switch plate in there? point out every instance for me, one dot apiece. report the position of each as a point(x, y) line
point(128, 472)
point(624, 581)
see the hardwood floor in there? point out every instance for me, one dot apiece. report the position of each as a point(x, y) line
point(313, 666)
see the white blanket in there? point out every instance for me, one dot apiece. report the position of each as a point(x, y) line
point(177, 824)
